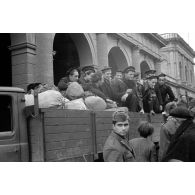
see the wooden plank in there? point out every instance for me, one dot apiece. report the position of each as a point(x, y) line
point(103, 120)
point(104, 114)
point(103, 133)
point(67, 136)
point(67, 153)
point(53, 113)
point(36, 138)
point(101, 127)
point(157, 118)
point(67, 128)
point(66, 121)
point(68, 144)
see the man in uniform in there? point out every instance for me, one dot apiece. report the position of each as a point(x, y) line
point(165, 90)
point(117, 148)
point(131, 98)
point(106, 85)
point(86, 74)
point(152, 102)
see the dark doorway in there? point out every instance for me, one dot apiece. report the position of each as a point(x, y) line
point(65, 55)
point(143, 68)
point(5, 55)
point(117, 60)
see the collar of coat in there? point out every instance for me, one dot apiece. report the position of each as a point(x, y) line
point(124, 142)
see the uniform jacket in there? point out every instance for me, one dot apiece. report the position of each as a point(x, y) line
point(166, 93)
point(134, 100)
point(119, 89)
point(96, 91)
point(117, 149)
point(145, 150)
point(106, 89)
point(151, 99)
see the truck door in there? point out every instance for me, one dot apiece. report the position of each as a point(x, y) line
point(9, 131)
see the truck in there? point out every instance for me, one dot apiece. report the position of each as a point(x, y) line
point(52, 134)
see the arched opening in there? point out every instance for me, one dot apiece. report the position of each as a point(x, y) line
point(70, 49)
point(143, 68)
point(5, 55)
point(117, 59)
point(186, 73)
point(180, 71)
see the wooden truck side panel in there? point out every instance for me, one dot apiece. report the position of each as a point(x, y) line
point(76, 135)
point(68, 135)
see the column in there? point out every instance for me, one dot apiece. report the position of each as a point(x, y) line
point(135, 58)
point(102, 49)
point(44, 62)
point(157, 65)
point(23, 51)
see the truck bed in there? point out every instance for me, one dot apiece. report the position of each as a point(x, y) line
point(76, 135)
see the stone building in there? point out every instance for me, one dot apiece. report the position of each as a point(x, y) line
point(45, 57)
point(178, 64)
point(39, 57)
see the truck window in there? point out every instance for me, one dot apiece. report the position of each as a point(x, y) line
point(6, 117)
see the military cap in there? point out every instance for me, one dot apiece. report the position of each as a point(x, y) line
point(129, 68)
point(149, 73)
point(120, 116)
point(105, 68)
point(119, 70)
point(161, 75)
point(151, 77)
point(181, 112)
point(87, 68)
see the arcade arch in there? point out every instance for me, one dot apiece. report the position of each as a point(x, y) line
point(143, 68)
point(71, 50)
point(117, 59)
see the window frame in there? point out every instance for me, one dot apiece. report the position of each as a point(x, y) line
point(10, 134)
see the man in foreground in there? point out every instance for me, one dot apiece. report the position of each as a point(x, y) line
point(116, 148)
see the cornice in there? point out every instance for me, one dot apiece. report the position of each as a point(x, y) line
point(142, 47)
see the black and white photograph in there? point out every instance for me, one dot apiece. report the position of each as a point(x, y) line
point(89, 97)
point(97, 97)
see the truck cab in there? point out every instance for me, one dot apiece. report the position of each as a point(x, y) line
point(13, 128)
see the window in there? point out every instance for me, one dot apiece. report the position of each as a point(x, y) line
point(186, 73)
point(180, 71)
point(6, 117)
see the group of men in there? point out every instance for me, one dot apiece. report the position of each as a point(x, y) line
point(149, 95)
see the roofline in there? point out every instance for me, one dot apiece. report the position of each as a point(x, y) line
point(159, 38)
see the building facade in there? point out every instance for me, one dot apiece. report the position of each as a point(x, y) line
point(45, 57)
point(178, 64)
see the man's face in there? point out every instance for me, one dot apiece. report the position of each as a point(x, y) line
point(74, 77)
point(161, 80)
point(121, 128)
point(88, 75)
point(118, 75)
point(152, 83)
point(107, 74)
point(129, 75)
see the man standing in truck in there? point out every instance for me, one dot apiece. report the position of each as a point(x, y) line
point(117, 148)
